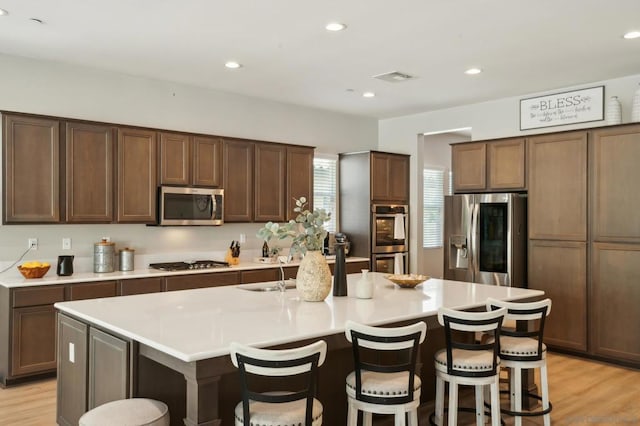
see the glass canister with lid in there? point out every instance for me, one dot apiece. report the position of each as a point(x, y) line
point(104, 256)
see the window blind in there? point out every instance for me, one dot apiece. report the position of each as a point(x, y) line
point(325, 188)
point(433, 204)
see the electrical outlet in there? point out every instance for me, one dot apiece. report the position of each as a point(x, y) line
point(66, 244)
point(243, 238)
point(32, 244)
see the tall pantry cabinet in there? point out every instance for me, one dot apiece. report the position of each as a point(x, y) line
point(584, 238)
point(557, 229)
point(615, 246)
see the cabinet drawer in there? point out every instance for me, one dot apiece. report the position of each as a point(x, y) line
point(260, 275)
point(185, 282)
point(356, 267)
point(38, 296)
point(92, 290)
point(139, 286)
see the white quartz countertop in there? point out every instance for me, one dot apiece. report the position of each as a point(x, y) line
point(192, 325)
point(52, 279)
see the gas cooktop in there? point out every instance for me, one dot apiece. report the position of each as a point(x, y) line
point(188, 265)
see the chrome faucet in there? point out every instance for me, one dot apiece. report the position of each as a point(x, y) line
point(282, 286)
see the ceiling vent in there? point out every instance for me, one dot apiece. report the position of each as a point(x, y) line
point(394, 77)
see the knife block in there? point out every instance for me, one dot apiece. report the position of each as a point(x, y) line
point(230, 259)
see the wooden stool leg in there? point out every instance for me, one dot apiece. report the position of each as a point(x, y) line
point(517, 391)
point(439, 400)
point(352, 414)
point(545, 393)
point(399, 417)
point(453, 403)
point(366, 418)
point(495, 402)
point(413, 417)
point(479, 391)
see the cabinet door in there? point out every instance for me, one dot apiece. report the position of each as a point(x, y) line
point(139, 286)
point(72, 371)
point(238, 181)
point(615, 292)
point(506, 164)
point(560, 270)
point(175, 155)
point(31, 166)
point(136, 176)
point(207, 161)
point(557, 200)
point(398, 167)
point(299, 178)
point(269, 182)
point(469, 166)
point(89, 177)
point(356, 267)
point(187, 282)
point(616, 175)
point(379, 177)
point(33, 340)
point(109, 372)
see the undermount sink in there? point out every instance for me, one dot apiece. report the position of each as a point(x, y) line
point(266, 287)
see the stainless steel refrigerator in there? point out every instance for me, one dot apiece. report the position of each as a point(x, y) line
point(485, 238)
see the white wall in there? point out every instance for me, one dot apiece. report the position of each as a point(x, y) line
point(435, 151)
point(55, 89)
point(493, 119)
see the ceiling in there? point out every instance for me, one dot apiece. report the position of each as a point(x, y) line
point(288, 56)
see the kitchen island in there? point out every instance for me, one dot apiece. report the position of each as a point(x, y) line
point(174, 346)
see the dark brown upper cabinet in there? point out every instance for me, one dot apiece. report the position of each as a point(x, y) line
point(89, 151)
point(190, 160)
point(238, 180)
point(269, 182)
point(137, 190)
point(389, 177)
point(299, 178)
point(31, 169)
point(489, 166)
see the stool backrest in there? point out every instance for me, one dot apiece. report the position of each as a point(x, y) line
point(533, 313)
point(400, 346)
point(470, 323)
point(300, 362)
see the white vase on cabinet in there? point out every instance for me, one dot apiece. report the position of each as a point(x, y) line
point(614, 111)
point(635, 107)
point(364, 286)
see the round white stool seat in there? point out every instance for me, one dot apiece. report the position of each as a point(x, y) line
point(128, 412)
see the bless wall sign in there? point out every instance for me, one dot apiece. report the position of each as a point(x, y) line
point(576, 106)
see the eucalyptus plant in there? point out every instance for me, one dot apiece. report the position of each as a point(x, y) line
point(306, 231)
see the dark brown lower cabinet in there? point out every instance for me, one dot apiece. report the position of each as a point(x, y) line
point(34, 340)
point(109, 367)
point(82, 291)
point(559, 268)
point(72, 371)
point(186, 282)
point(139, 286)
point(615, 293)
point(260, 275)
point(88, 357)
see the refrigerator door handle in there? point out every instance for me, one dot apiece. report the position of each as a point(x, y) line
point(475, 232)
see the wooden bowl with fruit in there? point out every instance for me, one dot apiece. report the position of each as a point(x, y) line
point(34, 269)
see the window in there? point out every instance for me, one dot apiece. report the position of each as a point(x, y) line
point(325, 188)
point(433, 191)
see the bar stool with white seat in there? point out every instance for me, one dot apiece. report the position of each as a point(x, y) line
point(384, 380)
point(467, 362)
point(521, 350)
point(128, 412)
point(276, 408)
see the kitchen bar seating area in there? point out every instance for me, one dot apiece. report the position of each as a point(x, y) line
point(170, 348)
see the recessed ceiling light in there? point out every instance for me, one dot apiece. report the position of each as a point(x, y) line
point(3, 12)
point(335, 26)
point(632, 34)
point(232, 65)
point(368, 95)
point(473, 71)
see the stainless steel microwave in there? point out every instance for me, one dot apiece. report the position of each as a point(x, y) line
point(190, 206)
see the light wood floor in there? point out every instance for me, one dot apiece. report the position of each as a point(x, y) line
point(582, 393)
